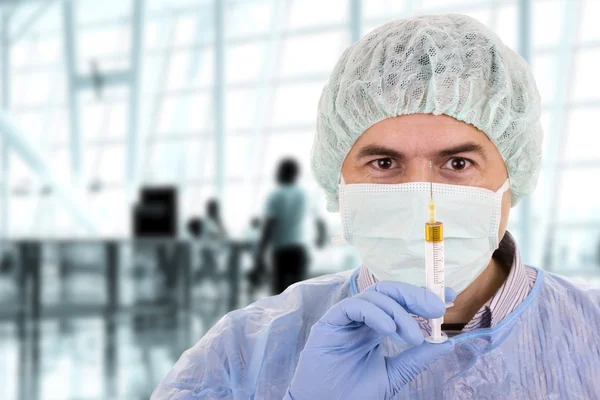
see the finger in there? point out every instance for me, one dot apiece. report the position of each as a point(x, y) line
point(405, 367)
point(357, 310)
point(450, 295)
point(415, 300)
point(406, 327)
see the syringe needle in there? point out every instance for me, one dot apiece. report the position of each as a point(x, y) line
point(430, 180)
point(431, 204)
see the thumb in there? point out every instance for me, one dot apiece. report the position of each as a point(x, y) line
point(405, 367)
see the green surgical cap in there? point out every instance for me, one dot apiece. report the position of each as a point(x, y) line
point(439, 64)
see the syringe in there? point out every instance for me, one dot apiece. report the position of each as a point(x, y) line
point(434, 262)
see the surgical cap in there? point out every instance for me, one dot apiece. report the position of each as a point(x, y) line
point(439, 64)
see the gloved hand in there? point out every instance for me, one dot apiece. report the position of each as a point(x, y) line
point(342, 358)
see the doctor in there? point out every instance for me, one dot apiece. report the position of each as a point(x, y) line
point(437, 89)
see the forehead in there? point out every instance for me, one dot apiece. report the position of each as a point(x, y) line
point(422, 133)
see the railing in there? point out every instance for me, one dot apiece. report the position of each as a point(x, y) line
point(159, 289)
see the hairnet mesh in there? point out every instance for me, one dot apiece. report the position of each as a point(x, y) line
point(440, 64)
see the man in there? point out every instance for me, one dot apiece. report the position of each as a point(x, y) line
point(431, 92)
point(285, 213)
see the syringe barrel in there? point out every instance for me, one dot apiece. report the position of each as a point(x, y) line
point(434, 269)
point(434, 232)
point(434, 258)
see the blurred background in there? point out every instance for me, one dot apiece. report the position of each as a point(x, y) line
point(145, 147)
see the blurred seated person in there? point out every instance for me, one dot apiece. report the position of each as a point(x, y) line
point(214, 224)
point(207, 236)
point(252, 234)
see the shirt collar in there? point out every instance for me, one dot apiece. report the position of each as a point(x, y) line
point(516, 287)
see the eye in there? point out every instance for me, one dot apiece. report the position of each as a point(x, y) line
point(457, 164)
point(383, 163)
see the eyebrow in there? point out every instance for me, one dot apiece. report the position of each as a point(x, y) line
point(463, 148)
point(372, 150)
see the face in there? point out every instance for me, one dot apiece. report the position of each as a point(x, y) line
point(400, 149)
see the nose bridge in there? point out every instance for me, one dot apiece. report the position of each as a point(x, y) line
point(417, 170)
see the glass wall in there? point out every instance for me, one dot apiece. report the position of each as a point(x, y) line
point(208, 96)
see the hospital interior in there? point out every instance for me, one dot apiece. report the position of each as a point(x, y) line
point(139, 142)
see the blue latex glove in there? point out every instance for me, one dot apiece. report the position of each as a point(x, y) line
point(342, 358)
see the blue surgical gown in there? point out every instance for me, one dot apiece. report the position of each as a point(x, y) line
point(547, 348)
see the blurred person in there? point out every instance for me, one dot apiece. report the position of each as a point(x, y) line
point(252, 236)
point(195, 230)
point(440, 91)
point(210, 240)
point(285, 213)
point(253, 231)
point(7, 260)
point(194, 227)
point(215, 227)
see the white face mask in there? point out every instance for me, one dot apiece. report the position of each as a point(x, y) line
point(386, 225)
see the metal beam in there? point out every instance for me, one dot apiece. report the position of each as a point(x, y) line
point(13, 3)
point(182, 109)
point(34, 17)
point(151, 129)
point(7, 7)
point(219, 98)
point(556, 135)
point(18, 141)
point(414, 7)
point(71, 64)
point(137, 47)
point(355, 20)
point(409, 8)
point(525, 220)
point(118, 78)
point(4, 167)
point(264, 97)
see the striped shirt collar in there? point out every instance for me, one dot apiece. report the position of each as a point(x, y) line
point(513, 291)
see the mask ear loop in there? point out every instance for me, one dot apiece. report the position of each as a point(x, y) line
point(500, 192)
point(505, 186)
point(339, 239)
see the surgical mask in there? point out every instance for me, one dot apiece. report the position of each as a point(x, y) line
point(385, 223)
